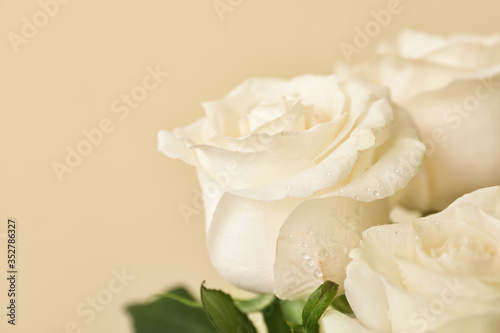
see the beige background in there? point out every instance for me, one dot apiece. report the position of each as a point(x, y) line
point(120, 207)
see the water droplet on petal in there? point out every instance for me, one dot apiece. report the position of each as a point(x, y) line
point(306, 256)
point(318, 273)
point(309, 263)
point(304, 244)
point(376, 193)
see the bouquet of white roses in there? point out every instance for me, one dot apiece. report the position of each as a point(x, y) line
point(300, 177)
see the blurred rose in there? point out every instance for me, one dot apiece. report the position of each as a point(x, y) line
point(292, 172)
point(440, 273)
point(451, 86)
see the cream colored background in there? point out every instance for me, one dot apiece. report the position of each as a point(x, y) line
point(120, 207)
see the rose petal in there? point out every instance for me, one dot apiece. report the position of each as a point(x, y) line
point(242, 172)
point(242, 238)
point(461, 50)
point(484, 323)
point(321, 92)
point(315, 240)
point(175, 147)
point(398, 163)
point(336, 322)
point(485, 199)
point(386, 241)
point(453, 121)
point(366, 294)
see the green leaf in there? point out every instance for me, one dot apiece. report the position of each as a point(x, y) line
point(256, 304)
point(180, 298)
point(223, 313)
point(317, 304)
point(275, 318)
point(172, 312)
point(295, 328)
point(341, 304)
point(292, 310)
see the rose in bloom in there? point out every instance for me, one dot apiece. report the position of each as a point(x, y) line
point(440, 273)
point(451, 86)
point(292, 172)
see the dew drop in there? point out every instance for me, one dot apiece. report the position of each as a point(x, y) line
point(356, 197)
point(328, 174)
point(368, 189)
point(287, 187)
point(396, 171)
point(304, 244)
point(309, 263)
point(382, 186)
point(376, 193)
point(306, 256)
point(318, 273)
point(290, 235)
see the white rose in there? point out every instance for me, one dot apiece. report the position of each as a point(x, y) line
point(289, 170)
point(440, 273)
point(451, 86)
